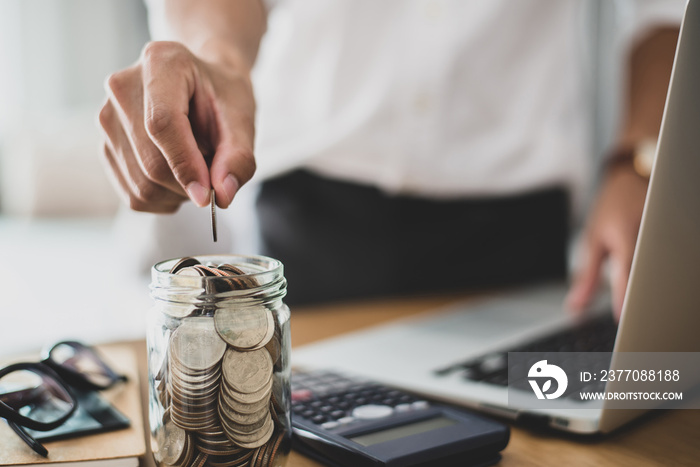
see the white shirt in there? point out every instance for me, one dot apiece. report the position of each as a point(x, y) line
point(441, 98)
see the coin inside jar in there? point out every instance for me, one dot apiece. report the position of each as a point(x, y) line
point(173, 442)
point(183, 263)
point(196, 344)
point(245, 328)
point(255, 440)
point(247, 372)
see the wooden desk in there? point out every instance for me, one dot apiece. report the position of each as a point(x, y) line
point(662, 438)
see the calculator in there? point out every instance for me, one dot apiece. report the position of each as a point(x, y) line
point(347, 421)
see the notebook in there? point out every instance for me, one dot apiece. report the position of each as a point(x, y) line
point(120, 448)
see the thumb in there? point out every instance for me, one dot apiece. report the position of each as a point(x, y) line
point(586, 281)
point(233, 165)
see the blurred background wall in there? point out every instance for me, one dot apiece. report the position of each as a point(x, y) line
point(54, 57)
point(56, 203)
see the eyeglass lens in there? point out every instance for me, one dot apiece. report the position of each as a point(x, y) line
point(82, 360)
point(35, 395)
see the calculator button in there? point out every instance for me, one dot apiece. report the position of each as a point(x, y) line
point(330, 425)
point(403, 407)
point(318, 419)
point(337, 414)
point(368, 412)
point(346, 420)
point(420, 405)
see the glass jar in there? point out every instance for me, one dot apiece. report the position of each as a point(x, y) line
point(218, 362)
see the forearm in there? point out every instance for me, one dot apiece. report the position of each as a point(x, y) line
point(219, 30)
point(648, 75)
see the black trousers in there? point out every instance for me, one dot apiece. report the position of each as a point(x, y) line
point(341, 241)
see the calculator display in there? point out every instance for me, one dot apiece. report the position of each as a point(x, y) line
point(403, 431)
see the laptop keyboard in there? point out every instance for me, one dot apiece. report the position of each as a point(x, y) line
point(594, 335)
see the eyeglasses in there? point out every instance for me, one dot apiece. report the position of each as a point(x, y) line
point(39, 396)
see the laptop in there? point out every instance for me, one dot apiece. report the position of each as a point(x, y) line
point(458, 354)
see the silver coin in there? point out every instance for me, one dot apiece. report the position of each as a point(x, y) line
point(195, 402)
point(240, 407)
point(274, 346)
point(199, 390)
point(256, 440)
point(247, 372)
point(217, 446)
point(195, 425)
point(244, 429)
point(247, 421)
point(187, 377)
point(191, 271)
point(247, 398)
point(196, 344)
point(172, 441)
point(213, 214)
point(268, 336)
point(196, 377)
point(183, 263)
point(244, 328)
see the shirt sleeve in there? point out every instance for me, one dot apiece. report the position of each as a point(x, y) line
point(158, 27)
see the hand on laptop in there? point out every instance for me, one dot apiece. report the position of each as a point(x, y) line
point(611, 233)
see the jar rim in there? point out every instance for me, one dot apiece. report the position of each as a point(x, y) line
point(268, 269)
point(265, 272)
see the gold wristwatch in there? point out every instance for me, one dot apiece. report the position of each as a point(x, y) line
point(641, 156)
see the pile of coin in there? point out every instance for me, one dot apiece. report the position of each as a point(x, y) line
point(218, 380)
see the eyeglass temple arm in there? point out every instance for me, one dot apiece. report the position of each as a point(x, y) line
point(27, 438)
